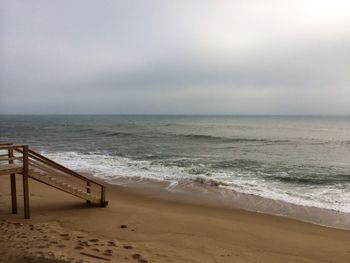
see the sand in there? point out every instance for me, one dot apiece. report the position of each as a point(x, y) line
point(141, 226)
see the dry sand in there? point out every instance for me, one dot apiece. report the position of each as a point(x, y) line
point(139, 226)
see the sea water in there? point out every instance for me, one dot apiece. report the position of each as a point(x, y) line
point(302, 160)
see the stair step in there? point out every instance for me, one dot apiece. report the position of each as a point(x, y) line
point(63, 186)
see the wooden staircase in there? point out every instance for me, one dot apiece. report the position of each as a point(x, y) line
point(63, 186)
point(19, 159)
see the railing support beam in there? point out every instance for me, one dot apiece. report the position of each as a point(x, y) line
point(103, 197)
point(13, 185)
point(25, 182)
point(13, 194)
point(88, 190)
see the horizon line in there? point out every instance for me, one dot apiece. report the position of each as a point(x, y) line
point(172, 114)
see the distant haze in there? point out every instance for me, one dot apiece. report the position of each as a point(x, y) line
point(175, 57)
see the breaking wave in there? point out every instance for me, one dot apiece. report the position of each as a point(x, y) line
point(276, 185)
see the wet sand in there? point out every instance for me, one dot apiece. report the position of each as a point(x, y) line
point(149, 226)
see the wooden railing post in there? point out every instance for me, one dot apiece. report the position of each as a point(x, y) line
point(25, 182)
point(103, 196)
point(88, 190)
point(13, 185)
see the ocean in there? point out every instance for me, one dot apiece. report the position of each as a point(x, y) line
point(301, 160)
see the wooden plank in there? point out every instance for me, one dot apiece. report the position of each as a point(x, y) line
point(13, 185)
point(103, 197)
point(6, 169)
point(88, 190)
point(6, 143)
point(13, 194)
point(10, 158)
point(40, 178)
point(61, 167)
point(25, 182)
point(94, 256)
point(12, 146)
point(48, 162)
point(46, 168)
point(59, 174)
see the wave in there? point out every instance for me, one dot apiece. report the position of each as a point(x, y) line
point(198, 137)
point(118, 134)
point(238, 163)
point(227, 139)
point(112, 168)
point(113, 134)
point(83, 130)
point(315, 180)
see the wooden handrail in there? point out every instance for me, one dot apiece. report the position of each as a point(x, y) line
point(3, 155)
point(12, 146)
point(39, 157)
point(6, 143)
point(10, 158)
point(62, 168)
point(42, 158)
point(53, 171)
point(56, 187)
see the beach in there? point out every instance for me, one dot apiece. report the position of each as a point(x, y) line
point(148, 226)
point(175, 131)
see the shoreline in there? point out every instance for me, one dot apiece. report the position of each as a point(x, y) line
point(201, 193)
point(161, 230)
point(325, 200)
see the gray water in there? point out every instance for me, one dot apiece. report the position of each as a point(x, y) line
point(302, 160)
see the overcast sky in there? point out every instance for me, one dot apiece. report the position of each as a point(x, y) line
point(175, 57)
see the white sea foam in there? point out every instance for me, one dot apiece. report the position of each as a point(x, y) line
point(113, 167)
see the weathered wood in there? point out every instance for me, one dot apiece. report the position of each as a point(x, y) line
point(25, 182)
point(13, 194)
point(40, 168)
point(65, 188)
point(13, 185)
point(12, 146)
point(88, 190)
point(6, 169)
point(10, 158)
point(103, 197)
point(94, 256)
point(42, 158)
point(6, 143)
point(44, 170)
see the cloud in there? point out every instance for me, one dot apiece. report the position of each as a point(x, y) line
point(182, 56)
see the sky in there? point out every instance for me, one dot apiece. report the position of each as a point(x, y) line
point(175, 57)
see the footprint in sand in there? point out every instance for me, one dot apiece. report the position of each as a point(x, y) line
point(136, 256)
point(127, 247)
point(79, 247)
point(139, 258)
point(111, 243)
point(108, 252)
point(84, 243)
